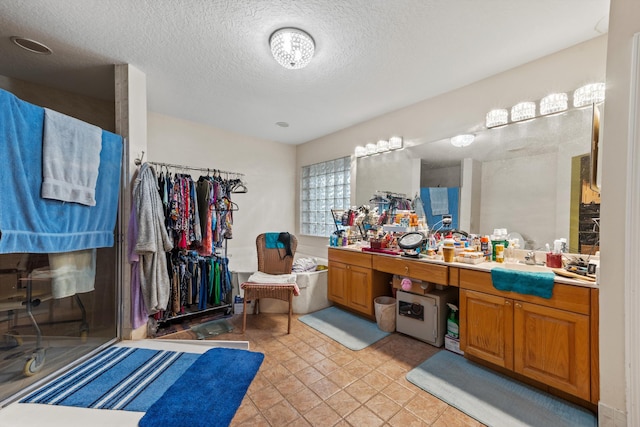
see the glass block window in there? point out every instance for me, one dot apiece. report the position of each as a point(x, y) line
point(324, 186)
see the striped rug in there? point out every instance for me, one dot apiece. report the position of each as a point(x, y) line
point(124, 378)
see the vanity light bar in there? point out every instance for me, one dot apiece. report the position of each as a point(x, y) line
point(554, 103)
point(462, 140)
point(523, 111)
point(383, 145)
point(497, 117)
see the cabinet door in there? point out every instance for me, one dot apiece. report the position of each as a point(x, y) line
point(359, 289)
point(486, 327)
point(552, 346)
point(337, 282)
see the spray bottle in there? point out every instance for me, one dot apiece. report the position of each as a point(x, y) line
point(453, 322)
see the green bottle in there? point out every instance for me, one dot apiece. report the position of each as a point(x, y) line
point(453, 329)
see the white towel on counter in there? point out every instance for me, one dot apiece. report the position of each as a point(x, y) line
point(70, 158)
point(439, 200)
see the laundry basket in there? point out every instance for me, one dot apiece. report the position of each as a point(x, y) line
point(385, 308)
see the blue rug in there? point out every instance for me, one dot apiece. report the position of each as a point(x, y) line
point(173, 388)
point(131, 379)
point(349, 330)
point(492, 398)
point(209, 393)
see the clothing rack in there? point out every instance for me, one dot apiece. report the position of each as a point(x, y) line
point(234, 184)
point(191, 168)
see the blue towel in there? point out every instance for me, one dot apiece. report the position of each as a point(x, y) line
point(271, 241)
point(29, 223)
point(523, 282)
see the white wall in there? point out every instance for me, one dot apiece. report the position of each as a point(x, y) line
point(464, 109)
point(269, 169)
point(624, 21)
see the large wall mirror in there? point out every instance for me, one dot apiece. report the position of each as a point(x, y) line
point(532, 178)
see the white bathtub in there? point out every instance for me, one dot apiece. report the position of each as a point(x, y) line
point(313, 294)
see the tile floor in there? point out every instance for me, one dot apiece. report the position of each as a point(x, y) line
point(307, 379)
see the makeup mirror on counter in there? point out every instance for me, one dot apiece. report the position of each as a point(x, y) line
point(532, 178)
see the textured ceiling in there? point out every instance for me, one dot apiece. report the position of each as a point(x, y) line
point(209, 61)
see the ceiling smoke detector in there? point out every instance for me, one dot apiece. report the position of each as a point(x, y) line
point(31, 45)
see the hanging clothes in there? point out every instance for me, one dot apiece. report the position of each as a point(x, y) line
point(152, 241)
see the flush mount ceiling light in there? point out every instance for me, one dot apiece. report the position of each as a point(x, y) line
point(462, 140)
point(523, 111)
point(497, 117)
point(588, 94)
point(292, 48)
point(554, 103)
point(31, 45)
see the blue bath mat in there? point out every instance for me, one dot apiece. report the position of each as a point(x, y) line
point(124, 378)
point(349, 330)
point(494, 399)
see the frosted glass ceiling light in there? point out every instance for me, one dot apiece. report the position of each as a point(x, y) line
point(462, 140)
point(588, 94)
point(523, 111)
point(553, 103)
point(292, 48)
point(371, 148)
point(395, 143)
point(382, 146)
point(361, 151)
point(497, 117)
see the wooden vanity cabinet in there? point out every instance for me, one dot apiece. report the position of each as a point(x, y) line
point(548, 341)
point(353, 283)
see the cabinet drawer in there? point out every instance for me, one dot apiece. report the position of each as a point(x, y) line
point(350, 257)
point(565, 297)
point(414, 269)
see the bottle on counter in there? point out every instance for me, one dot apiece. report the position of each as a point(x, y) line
point(500, 252)
point(485, 247)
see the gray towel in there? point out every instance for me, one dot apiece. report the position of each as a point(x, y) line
point(70, 159)
point(439, 200)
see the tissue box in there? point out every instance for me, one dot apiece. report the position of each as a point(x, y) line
point(452, 344)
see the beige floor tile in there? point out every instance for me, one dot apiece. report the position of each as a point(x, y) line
point(266, 398)
point(246, 411)
point(309, 375)
point(342, 357)
point(277, 373)
point(257, 421)
point(281, 414)
point(295, 364)
point(364, 417)
point(452, 417)
point(305, 400)
point(343, 403)
point(361, 391)
point(289, 386)
point(398, 393)
point(382, 406)
point(405, 418)
point(377, 380)
point(342, 377)
point(426, 407)
point(326, 366)
point(325, 388)
point(322, 415)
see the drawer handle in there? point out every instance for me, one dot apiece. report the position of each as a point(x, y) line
point(507, 302)
point(406, 268)
point(518, 305)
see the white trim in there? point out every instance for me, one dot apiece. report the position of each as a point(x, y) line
point(632, 267)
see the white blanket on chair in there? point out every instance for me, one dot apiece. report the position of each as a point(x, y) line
point(260, 277)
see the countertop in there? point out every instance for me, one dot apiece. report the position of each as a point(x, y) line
point(483, 266)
